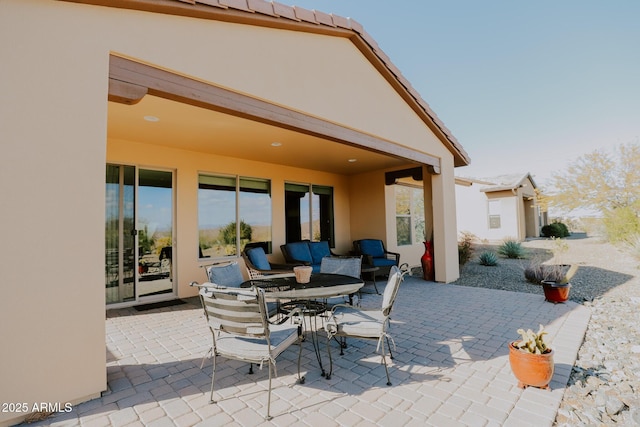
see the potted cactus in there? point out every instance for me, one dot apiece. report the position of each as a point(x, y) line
point(531, 359)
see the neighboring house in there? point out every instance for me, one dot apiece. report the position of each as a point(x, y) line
point(498, 208)
point(143, 139)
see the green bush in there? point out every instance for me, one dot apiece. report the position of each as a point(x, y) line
point(555, 229)
point(488, 258)
point(511, 249)
point(465, 247)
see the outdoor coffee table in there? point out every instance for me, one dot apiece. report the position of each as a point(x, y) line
point(305, 295)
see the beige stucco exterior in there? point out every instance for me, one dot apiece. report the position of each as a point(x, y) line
point(54, 116)
point(515, 204)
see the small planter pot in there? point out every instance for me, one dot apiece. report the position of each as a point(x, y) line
point(556, 292)
point(530, 369)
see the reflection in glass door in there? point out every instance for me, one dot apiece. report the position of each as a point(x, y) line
point(155, 232)
point(139, 268)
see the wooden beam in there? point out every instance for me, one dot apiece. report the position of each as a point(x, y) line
point(125, 93)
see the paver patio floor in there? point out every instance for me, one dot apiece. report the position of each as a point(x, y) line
point(451, 368)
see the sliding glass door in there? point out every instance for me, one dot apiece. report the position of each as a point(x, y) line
point(138, 234)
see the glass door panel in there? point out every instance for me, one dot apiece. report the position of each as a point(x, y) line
point(120, 234)
point(138, 268)
point(155, 232)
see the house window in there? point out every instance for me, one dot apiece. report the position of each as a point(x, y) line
point(232, 211)
point(409, 215)
point(308, 213)
point(494, 213)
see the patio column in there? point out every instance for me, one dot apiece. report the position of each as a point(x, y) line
point(445, 229)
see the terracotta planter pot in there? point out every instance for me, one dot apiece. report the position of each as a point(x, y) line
point(530, 369)
point(556, 292)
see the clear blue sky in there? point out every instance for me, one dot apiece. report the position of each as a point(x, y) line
point(561, 77)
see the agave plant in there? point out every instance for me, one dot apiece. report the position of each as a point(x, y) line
point(488, 258)
point(511, 249)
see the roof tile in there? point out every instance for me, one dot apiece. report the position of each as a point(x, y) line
point(284, 11)
point(236, 4)
point(261, 6)
point(305, 14)
point(324, 18)
point(215, 3)
point(341, 22)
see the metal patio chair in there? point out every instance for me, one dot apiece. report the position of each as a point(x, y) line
point(241, 330)
point(346, 321)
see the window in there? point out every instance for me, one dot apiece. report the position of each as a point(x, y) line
point(232, 211)
point(309, 213)
point(409, 215)
point(494, 213)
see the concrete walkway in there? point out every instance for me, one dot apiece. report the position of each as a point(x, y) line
point(451, 368)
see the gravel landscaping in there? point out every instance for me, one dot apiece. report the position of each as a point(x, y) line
point(604, 387)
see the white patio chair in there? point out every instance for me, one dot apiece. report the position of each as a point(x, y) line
point(348, 321)
point(241, 330)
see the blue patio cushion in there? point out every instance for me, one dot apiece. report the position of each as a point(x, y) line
point(258, 258)
point(383, 262)
point(228, 275)
point(300, 251)
point(372, 247)
point(319, 250)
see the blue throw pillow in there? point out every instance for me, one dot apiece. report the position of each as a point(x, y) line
point(300, 251)
point(372, 247)
point(319, 250)
point(258, 258)
point(228, 275)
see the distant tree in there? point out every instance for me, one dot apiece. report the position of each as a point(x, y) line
point(600, 181)
point(228, 233)
point(608, 183)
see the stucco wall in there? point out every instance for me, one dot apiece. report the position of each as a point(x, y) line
point(53, 114)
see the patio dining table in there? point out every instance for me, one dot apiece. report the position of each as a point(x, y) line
point(306, 295)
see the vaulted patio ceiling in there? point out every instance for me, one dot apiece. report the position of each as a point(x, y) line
point(198, 129)
point(193, 115)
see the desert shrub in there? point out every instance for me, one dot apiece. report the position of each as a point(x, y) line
point(511, 249)
point(488, 258)
point(555, 229)
point(465, 247)
point(621, 225)
point(536, 272)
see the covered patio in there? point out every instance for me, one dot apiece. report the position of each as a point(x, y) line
point(450, 368)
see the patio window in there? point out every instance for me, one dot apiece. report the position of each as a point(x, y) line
point(494, 213)
point(232, 211)
point(409, 215)
point(309, 213)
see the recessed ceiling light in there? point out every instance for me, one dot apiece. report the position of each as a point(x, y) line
point(151, 118)
point(276, 144)
point(352, 160)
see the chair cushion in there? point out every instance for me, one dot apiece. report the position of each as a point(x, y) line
point(300, 251)
point(256, 349)
point(319, 250)
point(383, 262)
point(258, 258)
point(372, 247)
point(359, 323)
point(228, 275)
